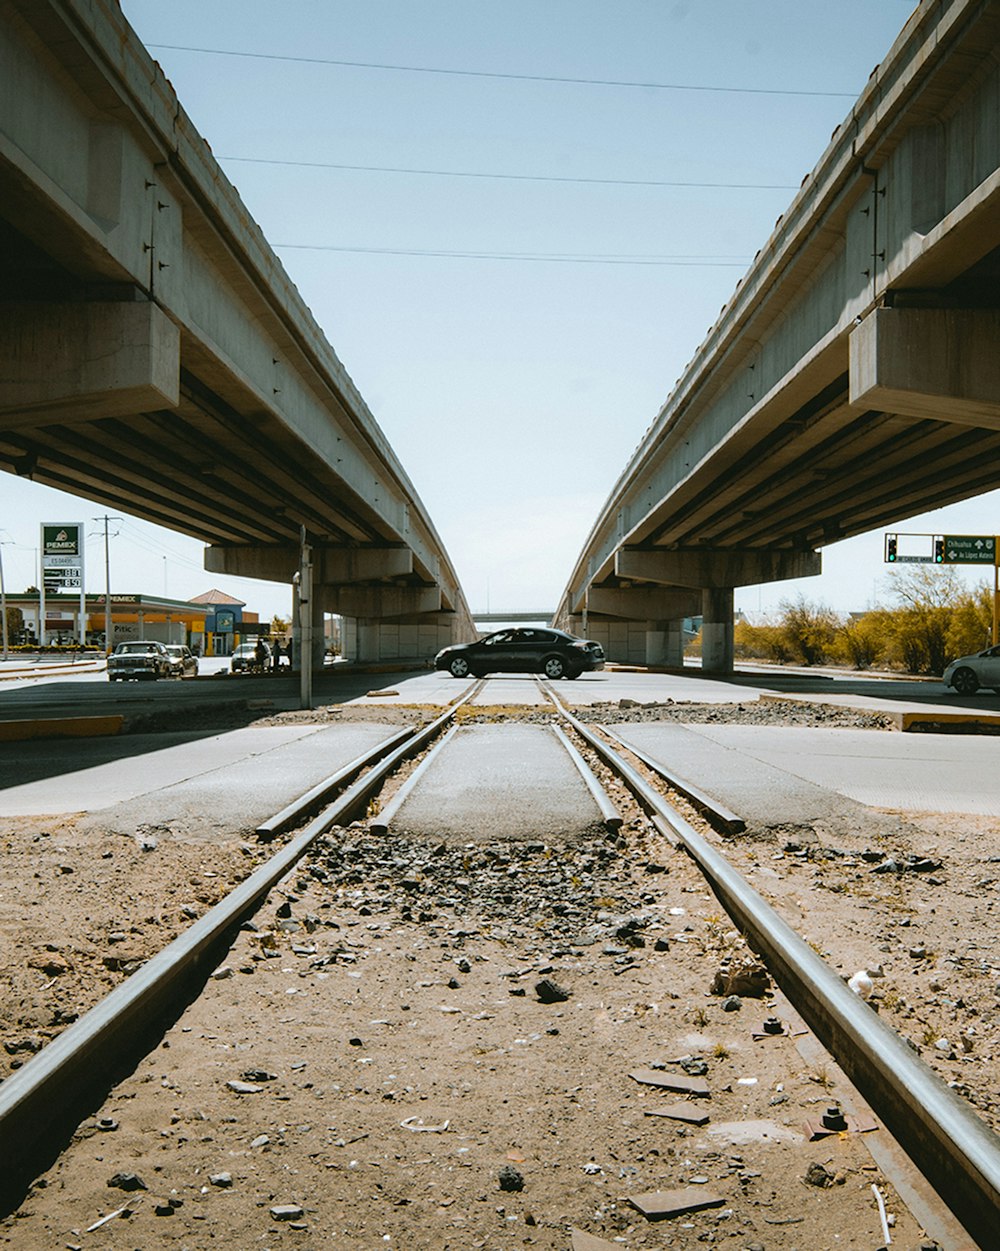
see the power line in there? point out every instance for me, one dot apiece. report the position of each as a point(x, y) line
point(531, 78)
point(548, 258)
point(458, 173)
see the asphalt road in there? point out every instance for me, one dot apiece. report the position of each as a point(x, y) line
point(933, 772)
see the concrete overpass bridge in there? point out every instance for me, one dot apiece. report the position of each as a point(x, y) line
point(155, 357)
point(852, 379)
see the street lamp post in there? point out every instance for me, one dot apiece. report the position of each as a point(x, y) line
point(3, 606)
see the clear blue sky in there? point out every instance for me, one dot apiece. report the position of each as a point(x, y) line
point(516, 313)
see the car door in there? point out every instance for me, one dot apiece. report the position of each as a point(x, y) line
point(988, 668)
point(524, 649)
point(498, 655)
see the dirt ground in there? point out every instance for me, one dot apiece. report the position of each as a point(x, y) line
point(407, 1084)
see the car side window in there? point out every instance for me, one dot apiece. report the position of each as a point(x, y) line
point(496, 640)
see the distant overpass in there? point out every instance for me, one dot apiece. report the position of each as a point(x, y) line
point(492, 618)
point(155, 357)
point(852, 379)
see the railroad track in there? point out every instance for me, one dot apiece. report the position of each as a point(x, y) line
point(958, 1154)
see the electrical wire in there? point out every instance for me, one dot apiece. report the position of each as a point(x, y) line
point(457, 173)
point(524, 257)
point(531, 78)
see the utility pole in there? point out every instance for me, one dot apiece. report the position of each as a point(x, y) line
point(107, 583)
point(3, 606)
point(303, 581)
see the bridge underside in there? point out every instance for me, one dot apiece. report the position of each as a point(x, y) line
point(156, 359)
point(854, 377)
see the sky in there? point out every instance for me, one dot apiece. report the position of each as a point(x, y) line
point(515, 222)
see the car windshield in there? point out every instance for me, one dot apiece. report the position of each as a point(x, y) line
point(125, 649)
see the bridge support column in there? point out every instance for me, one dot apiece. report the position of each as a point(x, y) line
point(665, 643)
point(317, 619)
point(717, 630)
point(369, 640)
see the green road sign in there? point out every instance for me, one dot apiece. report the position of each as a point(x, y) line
point(969, 549)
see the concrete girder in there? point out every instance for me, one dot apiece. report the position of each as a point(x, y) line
point(78, 362)
point(332, 566)
point(381, 602)
point(644, 603)
point(711, 568)
point(929, 362)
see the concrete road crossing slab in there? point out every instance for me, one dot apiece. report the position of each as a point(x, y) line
point(749, 766)
point(502, 781)
point(251, 772)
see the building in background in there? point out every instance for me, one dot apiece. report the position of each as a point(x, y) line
point(210, 624)
point(226, 622)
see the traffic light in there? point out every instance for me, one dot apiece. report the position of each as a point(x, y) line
point(938, 551)
point(890, 548)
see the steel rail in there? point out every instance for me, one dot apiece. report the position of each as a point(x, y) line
point(36, 1097)
point(379, 824)
point(719, 813)
point(610, 815)
point(954, 1149)
point(298, 808)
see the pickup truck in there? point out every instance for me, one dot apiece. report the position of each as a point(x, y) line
point(138, 660)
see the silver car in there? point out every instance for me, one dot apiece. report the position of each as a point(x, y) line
point(969, 673)
point(183, 662)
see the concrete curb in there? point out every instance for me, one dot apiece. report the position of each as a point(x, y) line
point(61, 727)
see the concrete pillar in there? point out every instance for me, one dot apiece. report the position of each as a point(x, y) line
point(318, 645)
point(717, 630)
point(665, 643)
point(368, 640)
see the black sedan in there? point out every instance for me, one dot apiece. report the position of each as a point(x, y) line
point(554, 653)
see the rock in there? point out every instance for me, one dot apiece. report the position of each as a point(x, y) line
point(510, 1179)
point(818, 1175)
point(31, 1045)
point(258, 1075)
point(747, 978)
point(244, 1088)
point(732, 1003)
point(127, 1181)
point(222, 1180)
point(287, 1212)
point(549, 991)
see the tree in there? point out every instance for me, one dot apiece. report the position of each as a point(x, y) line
point(15, 622)
point(861, 641)
point(927, 596)
point(809, 629)
point(971, 627)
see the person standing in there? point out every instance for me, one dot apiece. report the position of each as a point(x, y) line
point(276, 656)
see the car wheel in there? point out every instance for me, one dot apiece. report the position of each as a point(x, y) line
point(965, 681)
point(573, 673)
point(554, 667)
point(459, 667)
